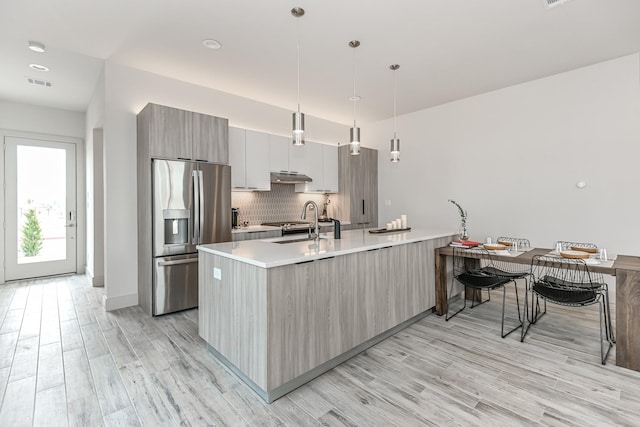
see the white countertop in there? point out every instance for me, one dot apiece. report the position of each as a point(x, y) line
point(264, 253)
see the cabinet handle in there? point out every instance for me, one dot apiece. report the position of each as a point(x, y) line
point(201, 160)
point(362, 206)
point(183, 158)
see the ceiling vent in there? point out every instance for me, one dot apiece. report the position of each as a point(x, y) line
point(39, 82)
point(553, 3)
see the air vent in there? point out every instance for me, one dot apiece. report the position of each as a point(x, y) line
point(553, 3)
point(39, 82)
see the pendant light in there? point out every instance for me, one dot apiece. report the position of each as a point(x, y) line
point(354, 132)
point(298, 117)
point(395, 142)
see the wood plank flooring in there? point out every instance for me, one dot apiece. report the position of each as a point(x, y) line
point(65, 361)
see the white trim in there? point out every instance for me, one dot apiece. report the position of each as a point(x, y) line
point(96, 281)
point(122, 301)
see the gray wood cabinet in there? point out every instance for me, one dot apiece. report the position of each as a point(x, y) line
point(168, 133)
point(210, 136)
point(172, 133)
point(358, 184)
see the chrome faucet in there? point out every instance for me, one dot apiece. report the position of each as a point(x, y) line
point(315, 212)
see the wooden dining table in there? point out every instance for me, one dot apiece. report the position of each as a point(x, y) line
point(625, 269)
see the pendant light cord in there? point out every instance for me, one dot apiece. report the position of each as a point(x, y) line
point(355, 97)
point(394, 104)
point(298, 62)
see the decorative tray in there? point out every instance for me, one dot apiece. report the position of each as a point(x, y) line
point(384, 230)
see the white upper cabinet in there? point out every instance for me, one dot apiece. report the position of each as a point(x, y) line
point(299, 158)
point(250, 170)
point(247, 153)
point(330, 168)
point(257, 167)
point(279, 153)
point(237, 157)
point(321, 164)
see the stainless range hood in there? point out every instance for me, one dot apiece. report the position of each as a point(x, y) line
point(284, 177)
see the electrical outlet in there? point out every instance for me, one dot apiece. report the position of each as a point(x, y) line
point(387, 202)
point(217, 273)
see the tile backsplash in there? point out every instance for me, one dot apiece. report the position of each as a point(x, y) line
point(280, 204)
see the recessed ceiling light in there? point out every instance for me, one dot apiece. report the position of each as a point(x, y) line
point(211, 44)
point(36, 46)
point(38, 67)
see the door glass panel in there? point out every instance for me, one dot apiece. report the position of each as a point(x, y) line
point(41, 197)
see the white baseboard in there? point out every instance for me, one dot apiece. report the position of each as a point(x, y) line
point(122, 301)
point(96, 281)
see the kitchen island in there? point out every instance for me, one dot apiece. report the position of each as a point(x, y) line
point(279, 315)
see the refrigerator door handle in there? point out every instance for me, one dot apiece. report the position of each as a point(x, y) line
point(196, 208)
point(201, 203)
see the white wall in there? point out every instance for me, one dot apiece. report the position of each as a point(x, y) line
point(512, 158)
point(95, 183)
point(44, 120)
point(127, 91)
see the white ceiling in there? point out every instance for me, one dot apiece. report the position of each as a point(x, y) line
point(447, 49)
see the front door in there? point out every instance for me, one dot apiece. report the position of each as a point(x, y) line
point(40, 208)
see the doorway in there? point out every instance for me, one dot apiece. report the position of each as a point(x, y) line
point(40, 208)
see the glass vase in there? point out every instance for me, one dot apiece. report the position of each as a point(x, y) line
point(462, 234)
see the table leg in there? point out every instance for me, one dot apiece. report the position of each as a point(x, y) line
point(441, 283)
point(627, 319)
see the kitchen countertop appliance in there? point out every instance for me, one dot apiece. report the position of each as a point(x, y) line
point(234, 217)
point(191, 206)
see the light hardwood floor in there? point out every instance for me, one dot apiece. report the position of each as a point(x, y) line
point(65, 361)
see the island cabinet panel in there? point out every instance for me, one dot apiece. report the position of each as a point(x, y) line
point(319, 310)
point(235, 321)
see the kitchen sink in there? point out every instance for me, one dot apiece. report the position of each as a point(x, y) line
point(304, 239)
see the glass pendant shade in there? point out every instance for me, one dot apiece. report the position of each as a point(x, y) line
point(395, 150)
point(298, 128)
point(354, 145)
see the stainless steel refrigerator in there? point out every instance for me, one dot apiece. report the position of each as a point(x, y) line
point(191, 206)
